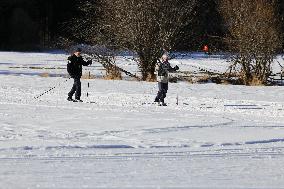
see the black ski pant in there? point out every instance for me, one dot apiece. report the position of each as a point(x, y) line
point(162, 93)
point(76, 89)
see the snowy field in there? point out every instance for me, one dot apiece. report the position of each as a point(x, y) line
point(218, 136)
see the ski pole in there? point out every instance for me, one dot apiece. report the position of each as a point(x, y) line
point(89, 84)
point(177, 100)
point(47, 91)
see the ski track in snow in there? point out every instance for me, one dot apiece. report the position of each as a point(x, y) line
point(217, 136)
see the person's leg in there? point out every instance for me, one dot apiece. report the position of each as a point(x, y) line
point(72, 91)
point(159, 94)
point(78, 89)
point(164, 90)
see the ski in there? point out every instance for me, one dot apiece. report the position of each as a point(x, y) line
point(154, 103)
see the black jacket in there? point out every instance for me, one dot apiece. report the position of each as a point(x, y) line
point(74, 66)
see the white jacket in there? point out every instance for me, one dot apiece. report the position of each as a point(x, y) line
point(162, 71)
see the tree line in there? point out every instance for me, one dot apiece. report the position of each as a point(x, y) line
point(37, 24)
point(250, 29)
point(33, 24)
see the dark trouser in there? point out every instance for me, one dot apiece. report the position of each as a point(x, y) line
point(162, 93)
point(76, 88)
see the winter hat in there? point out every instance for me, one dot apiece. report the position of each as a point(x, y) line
point(78, 50)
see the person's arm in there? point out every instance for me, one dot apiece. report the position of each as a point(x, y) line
point(157, 67)
point(173, 69)
point(85, 63)
point(70, 69)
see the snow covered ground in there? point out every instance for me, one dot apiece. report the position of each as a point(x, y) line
point(218, 136)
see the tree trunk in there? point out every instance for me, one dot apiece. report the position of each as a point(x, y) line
point(147, 65)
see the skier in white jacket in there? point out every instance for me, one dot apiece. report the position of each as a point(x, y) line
point(162, 70)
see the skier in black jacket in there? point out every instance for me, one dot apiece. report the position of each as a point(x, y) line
point(74, 68)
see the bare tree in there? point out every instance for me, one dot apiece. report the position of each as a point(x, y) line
point(253, 35)
point(143, 26)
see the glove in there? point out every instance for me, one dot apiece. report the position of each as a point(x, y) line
point(90, 62)
point(176, 68)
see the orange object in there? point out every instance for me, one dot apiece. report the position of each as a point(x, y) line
point(205, 48)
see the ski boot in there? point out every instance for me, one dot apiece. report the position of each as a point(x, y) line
point(70, 99)
point(78, 100)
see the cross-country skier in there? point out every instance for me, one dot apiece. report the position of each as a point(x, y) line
point(74, 68)
point(162, 70)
